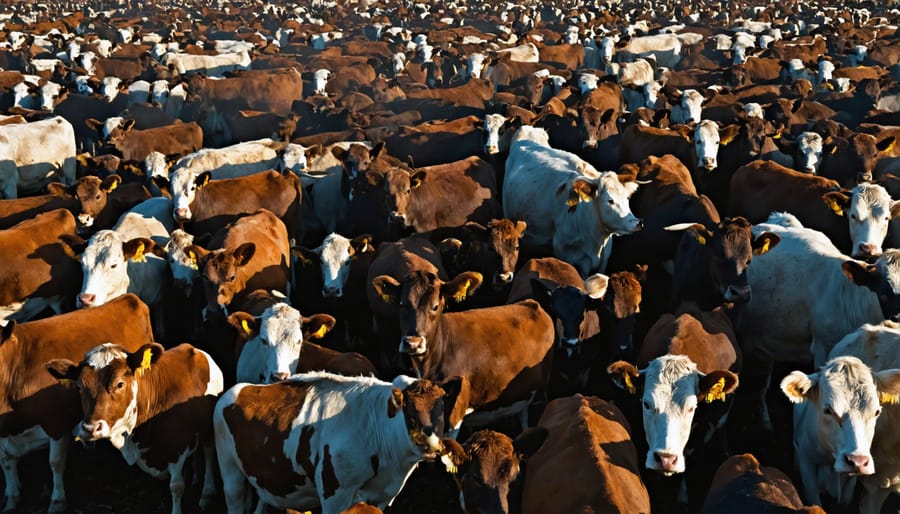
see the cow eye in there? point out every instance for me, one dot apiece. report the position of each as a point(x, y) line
point(435, 307)
point(97, 197)
point(120, 385)
point(115, 265)
point(647, 405)
point(231, 278)
point(854, 217)
point(878, 413)
point(828, 411)
point(612, 202)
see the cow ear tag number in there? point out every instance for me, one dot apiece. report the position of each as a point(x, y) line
point(716, 392)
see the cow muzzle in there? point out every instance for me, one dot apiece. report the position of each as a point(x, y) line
point(94, 431)
point(737, 294)
point(278, 376)
point(855, 464)
point(866, 251)
point(491, 149)
point(396, 217)
point(332, 292)
point(182, 214)
point(666, 462)
point(709, 163)
point(413, 345)
point(85, 300)
point(590, 144)
point(85, 220)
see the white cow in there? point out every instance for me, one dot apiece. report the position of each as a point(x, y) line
point(689, 107)
point(567, 203)
point(869, 210)
point(211, 65)
point(33, 154)
point(665, 48)
point(326, 204)
point(335, 255)
point(526, 52)
point(320, 80)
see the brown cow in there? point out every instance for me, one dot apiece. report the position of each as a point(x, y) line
point(251, 253)
point(34, 408)
point(172, 140)
point(264, 90)
point(155, 406)
point(743, 486)
point(17, 210)
point(588, 462)
point(102, 201)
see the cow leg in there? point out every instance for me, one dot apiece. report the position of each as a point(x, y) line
point(233, 483)
point(260, 507)
point(763, 404)
point(59, 451)
point(176, 481)
point(872, 499)
point(11, 450)
point(209, 475)
point(13, 491)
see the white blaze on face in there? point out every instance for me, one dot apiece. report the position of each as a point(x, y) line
point(398, 60)
point(796, 69)
point(492, 125)
point(295, 158)
point(607, 47)
point(335, 257)
point(320, 79)
point(651, 94)
point(844, 399)
point(809, 152)
point(87, 60)
point(105, 269)
point(826, 68)
point(281, 335)
point(691, 105)
point(183, 185)
point(612, 201)
point(155, 165)
point(558, 82)
point(706, 144)
point(50, 91)
point(424, 51)
point(587, 82)
point(183, 268)
point(22, 95)
point(869, 216)
point(753, 110)
point(82, 87)
point(112, 124)
point(159, 91)
point(739, 54)
point(109, 88)
point(571, 36)
point(99, 358)
point(671, 385)
point(474, 64)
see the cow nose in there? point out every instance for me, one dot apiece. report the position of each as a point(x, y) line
point(737, 294)
point(491, 149)
point(414, 345)
point(506, 277)
point(667, 461)
point(278, 376)
point(98, 430)
point(709, 163)
point(864, 176)
point(86, 299)
point(859, 462)
point(640, 224)
point(182, 213)
point(332, 292)
point(396, 217)
point(868, 250)
point(590, 144)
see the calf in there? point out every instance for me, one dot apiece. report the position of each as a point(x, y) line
point(154, 406)
point(101, 201)
point(298, 443)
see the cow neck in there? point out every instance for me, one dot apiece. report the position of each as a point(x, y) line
point(157, 391)
point(13, 371)
point(426, 366)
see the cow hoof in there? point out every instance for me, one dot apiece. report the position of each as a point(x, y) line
point(57, 506)
point(11, 502)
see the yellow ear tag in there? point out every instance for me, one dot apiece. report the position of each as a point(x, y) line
point(113, 186)
point(717, 391)
point(890, 148)
point(461, 294)
point(139, 254)
point(629, 385)
point(193, 257)
point(448, 464)
point(701, 239)
point(777, 135)
point(386, 298)
point(834, 149)
point(762, 249)
point(888, 398)
point(245, 326)
point(836, 207)
point(67, 383)
point(572, 202)
point(145, 360)
point(320, 333)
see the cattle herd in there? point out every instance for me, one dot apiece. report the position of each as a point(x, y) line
point(442, 256)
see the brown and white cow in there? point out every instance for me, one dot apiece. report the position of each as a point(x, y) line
point(34, 408)
point(154, 406)
point(299, 443)
point(135, 145)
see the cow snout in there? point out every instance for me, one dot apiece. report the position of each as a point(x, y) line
point(491, 149)
point(668, 462)
point(94, 431)
point(505, 278)
point(332, 292)
point(737, 294)
point(867, 250)
point(86, 300)
point(861, 464)
point(85, 220)
point(413, 345)
point(182, 214)
point(278, 376)
point(864, 176)
point(590, 144)
point(396, 217)
point(709, 163)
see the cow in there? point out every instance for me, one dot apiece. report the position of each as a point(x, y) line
point(743, 486)
point(849, 161)
point(297, 441)
point(587, 207)
point(135, 145)
point(154, 406)
point(35, 408)
point(101, 201)
point(13, 211)
point(589, 440)
point(231, 161)
point(485, 467)
point(279, 344)
point(248, 254)
point(443, 344)
point(32, 152)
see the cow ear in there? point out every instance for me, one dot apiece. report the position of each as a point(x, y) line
point(245, 324)
point(127, 125)
point(895, 208)
point(607, 115)
point(727, 134)
point(453, 456)
point(395, 402)
point(362, 244)
point(542, 291)
point(143, 359)
point(314, 151)
point(626, 376)
point(203, 178)
point(765, 242)
point(93, 124)
point(136, 249)
point(462, 286)
point(640, 272)
point(243, 253)
point(529, 442)
point(686, 133)
point(785, 145)
point(417, 179)
point(450, 247)
point(317, 325)
point(595, 285)
point(716, 385)
point(305, 256)
point(377, 150)
point(58, 189)
point(374, 178)
point(387, 287)
point(64, 370)
point(886, 145)
point(798, 386)
point(837, 201)
point(888, 384)
point(831, 147)
point(697, 230)
point(862, 274)
point(72, 245)
point(6, 331)
point(196, 254)
point(161, 182)
point(457, 394)
point(520, 228)
point(339, 153)
point(582, 191)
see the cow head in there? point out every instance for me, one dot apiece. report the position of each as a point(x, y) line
point(487, 464)
point(357, 159)
point(491, 250)
point(105, 263)
point(598, 125)
point(335, 255)
point(50, 94)
point(587, 82)
point(427, 407)
point(421, 298)
point(688, 105)
point(184, 266)
point(221, 272)
point(809, 152)
point(320, 80)
point(110, 87)
point(567, 304)
point(609, 199)
point(706, 137)
point(280, 333)
point(845, 399)
point(870, 209)
point(108, 380)
point(621, 304)
point(882, 278)
point(92, 193)
point(672, 388)
point(497, 130)
point(183, 185)
point(475, 64)
point(397, 187)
